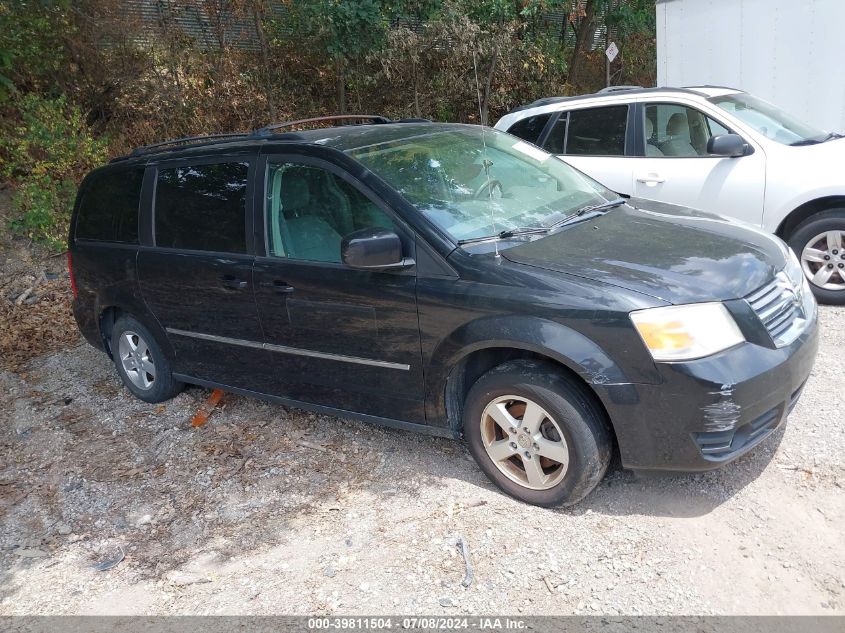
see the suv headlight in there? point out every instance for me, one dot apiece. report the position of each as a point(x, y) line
point(687, 332)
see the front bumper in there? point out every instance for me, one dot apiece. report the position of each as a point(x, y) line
point(709, 412)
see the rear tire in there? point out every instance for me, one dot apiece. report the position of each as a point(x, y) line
point(819, 243)
point(538, 435)
point(141, 363)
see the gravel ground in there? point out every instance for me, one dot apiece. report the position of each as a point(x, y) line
point(266, 510)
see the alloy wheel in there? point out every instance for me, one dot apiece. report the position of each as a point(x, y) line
point(136, 359)
point(524, 442)
point(823, 260)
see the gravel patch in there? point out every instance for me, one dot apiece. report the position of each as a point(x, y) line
point(110, 505)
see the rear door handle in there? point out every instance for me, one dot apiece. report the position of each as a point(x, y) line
point(651, 179)
point(230, 281)
point(280, 286)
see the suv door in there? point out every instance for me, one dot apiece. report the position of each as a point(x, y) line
point(675, 167)
point(596, 141)
point(195, 270)
point(339, 337)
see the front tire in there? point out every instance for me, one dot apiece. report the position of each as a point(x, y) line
point(819, 244)
point(538, 435)
point(141, 363)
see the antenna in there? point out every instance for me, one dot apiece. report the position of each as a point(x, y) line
point(486, 162)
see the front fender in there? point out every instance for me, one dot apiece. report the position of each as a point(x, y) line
point(542, 336)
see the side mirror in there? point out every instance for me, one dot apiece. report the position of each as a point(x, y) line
point(373, 248)
point(731, 145)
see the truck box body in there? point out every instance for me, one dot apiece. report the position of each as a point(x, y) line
point(788, 53)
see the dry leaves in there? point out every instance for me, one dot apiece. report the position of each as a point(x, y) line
point(30, 329)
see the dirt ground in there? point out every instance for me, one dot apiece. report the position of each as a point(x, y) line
point(269, 510)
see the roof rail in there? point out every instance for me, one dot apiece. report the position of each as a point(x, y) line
point(210, 139)
point(609, 89)
point(711, 86)
point(201, 139)
point(375, 118)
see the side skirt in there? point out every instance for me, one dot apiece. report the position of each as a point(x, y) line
point(316, 408)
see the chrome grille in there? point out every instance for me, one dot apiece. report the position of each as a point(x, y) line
point(780, 307)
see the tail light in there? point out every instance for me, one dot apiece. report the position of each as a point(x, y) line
point(72, 278)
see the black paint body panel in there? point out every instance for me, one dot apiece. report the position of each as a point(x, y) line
point(188, 292)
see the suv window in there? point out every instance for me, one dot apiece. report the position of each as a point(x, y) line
point(530, 129)
point(676, 130)
point(310, 209)
point(596, 131)
point(108, 210)
point(202, 207)
point(557, 135)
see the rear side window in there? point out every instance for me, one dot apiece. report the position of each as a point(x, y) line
point(202, 207)
point(530, 129)
point(108, 210)
point(597, 131)
point(557, 135)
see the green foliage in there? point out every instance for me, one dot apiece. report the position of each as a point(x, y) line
point(632, 17)
point(45, 153)
point(490, 11)
point(31, 50)
point(347, 29)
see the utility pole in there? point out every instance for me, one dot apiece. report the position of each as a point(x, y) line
point(606, 46)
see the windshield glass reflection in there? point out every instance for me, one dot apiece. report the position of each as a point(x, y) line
point(473, 182)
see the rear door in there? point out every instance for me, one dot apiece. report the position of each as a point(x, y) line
point(339, 337)
point(195, 270)
point(677, 169)
point(596, 140)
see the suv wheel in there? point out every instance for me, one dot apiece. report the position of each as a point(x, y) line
point(539, 436)
point(820, 245)
point(141, 363)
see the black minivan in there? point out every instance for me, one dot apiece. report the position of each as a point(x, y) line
point(446, 278)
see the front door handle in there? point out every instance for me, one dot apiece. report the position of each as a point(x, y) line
point(651, 179)
point(280, 286)
point(230, 281)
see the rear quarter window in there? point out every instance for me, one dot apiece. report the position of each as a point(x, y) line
point(108, 208)
point(202, 207)
point(530, 128)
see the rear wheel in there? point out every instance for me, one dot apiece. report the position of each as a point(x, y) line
point(820, 245)
point(536, 434)
point(140, 362)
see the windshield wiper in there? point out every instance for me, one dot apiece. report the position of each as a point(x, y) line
point(816, 141)
point(539, 230)
point(604, 206)
point(501, 235)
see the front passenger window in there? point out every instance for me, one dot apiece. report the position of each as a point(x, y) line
point(679, 131)
point(310, 209)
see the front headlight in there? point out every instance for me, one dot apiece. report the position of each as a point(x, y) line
point(793, 269)
point(687, 332)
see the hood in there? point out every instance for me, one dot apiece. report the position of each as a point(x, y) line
point(668, 252)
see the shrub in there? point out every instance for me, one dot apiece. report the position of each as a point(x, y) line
point(46, 149)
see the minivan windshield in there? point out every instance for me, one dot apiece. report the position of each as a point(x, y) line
point(474, 182)
point(770, 120)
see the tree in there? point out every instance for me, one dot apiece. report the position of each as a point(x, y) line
point(345, 29)
point(583, 21)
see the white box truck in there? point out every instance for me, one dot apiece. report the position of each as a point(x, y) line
point(788, 53)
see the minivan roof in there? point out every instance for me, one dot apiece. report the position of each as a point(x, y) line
point(343, 138)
